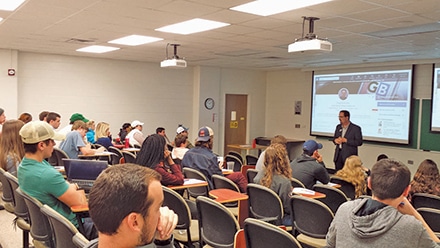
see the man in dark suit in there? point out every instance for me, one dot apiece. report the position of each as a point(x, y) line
point(347, 138)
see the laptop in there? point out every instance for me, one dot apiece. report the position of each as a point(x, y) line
point(83, 172)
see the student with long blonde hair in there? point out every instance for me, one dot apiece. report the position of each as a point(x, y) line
point(11, 146)
point(355, 173)
point(277, 176)
point(103, 135)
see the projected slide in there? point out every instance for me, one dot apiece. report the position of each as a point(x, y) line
point(378, 101)
point(435, 115)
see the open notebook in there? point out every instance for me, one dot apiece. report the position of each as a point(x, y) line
point(83, 172)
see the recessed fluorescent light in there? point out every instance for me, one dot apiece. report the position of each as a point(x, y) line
point(192, 26)
point(97, 49)
point(10, 5)
point(135, 40)
point(272, 7)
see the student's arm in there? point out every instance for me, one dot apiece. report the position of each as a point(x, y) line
point(139, 137)
point(73, 197)
point(406, 208)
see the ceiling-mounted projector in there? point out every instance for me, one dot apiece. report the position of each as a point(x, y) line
point(175, 61)
point(310, 42)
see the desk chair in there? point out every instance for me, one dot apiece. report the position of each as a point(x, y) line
point(40, 227)
point(432, 218)
point(297, 183)
point(251, 159)
point(65, 233)
point(8, 195)
point(57, 157)
point(217, 225)
point(333, 196)
point(236, 154)
point(264, 204)
point(251, 174)
point(20, 210)
point(186, 231)
point(129, 157)
point(346, 187)
point(260, 234)
point(221, 182)
point(197, 191)
point(423, 200)
point(311, 218)
point(116, 157)
point(237, 162)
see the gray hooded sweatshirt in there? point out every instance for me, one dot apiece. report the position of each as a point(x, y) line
point(369, 223)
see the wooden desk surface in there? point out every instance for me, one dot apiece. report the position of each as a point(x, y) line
point(131, 149)
point(247, 147)
point(80, 208)
point(308, 193)
point(227, 195)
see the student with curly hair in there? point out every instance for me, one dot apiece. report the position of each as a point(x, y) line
point(277, 176)
point(354, 173)
point(426, 179)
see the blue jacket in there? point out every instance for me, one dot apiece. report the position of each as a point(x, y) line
point(203, 160)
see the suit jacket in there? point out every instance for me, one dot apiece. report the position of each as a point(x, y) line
point(354, 139)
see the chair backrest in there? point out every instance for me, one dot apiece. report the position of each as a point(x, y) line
point(310, 217)
point(251, 159)
point(221, 182)
point(196, 191)
point(346, 187)
point(217, 225)
point(57, 157)
point(297, 183)
point(129, 157)
point(260, 234)
point(175, 202)
point(423, 200)
point(116, 156)
point(237, 162)
point(251, 174)
point(333, 196)
point(40, 227)
point(8, 195)
point(432, 218)
point(20, 208)
point(63, 230)
point(264, 204)
point(236, 154)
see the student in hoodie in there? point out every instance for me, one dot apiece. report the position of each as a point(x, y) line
point(309, 167)
point(385, 220)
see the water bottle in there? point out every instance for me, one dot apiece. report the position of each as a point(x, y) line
point(254, 143)
point(127, 142)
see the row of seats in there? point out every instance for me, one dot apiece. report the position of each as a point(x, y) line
point(47, 227)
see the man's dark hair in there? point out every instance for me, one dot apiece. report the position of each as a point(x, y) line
point(52, 116)
point(118, 191)
point(381, 156)
point(30, 148)
point(42, 115)
point(207, 144)
point(307, 152)
point(346, 113)
point(159, 129)
point(389, 178)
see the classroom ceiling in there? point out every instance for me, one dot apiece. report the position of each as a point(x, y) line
point(361, 31)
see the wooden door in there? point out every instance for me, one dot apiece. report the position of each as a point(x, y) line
point(235, 129)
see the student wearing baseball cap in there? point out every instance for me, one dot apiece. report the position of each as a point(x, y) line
point(135, 136)
point(184, 130)
point(309, 167)
point(202, 158)
point(41, 180)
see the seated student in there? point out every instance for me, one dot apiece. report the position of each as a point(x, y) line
point(41, 180)
point(277, 177)
point(91, 131)
point(387, 219)
point(309, 167)
point(123, 131)
point(381, 156)
point(103, 135)
point(25, 117)
point(74, 144)
point(278, 139)
point(426, 179)
point(202, 158)
point(12, 151)
point(135, 136)
point(125, 204)
point(355, 173)
point(184, 130)
point(154, 154)
point(180, 146)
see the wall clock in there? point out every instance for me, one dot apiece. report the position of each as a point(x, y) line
point(209, 103)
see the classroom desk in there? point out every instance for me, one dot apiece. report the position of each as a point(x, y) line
point(80, 211)
point(96, 155)
point(247, 148)
point(294, 146)
point(307, 193)
point(227, 195)
point(131, 149)
point(189, 183)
